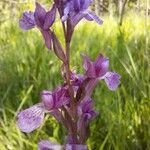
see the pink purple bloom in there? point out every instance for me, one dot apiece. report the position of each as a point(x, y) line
point(41, 19)
point(75, 10)
point(27, 21)
point(86, 112)
point(99, 70)
point(55, 99)
point(31, 118)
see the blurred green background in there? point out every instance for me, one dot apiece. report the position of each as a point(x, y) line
point(27, 68)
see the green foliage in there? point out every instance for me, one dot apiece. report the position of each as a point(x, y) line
point(27, 68)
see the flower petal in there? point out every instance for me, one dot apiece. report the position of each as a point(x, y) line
point(88, 66)
point(86, 111)
point(47, 100)
point(77, 79)
point(92, 16)
point(47, 38)
point(56, 114)
point(31, 118)
point(61, 96)
point(39, 15)
point(47, 145)
point(101, 65)
point(85, 4)
point(112, 80)
point(76, 17)
point(66, 11)
point(27, 21)
point(86, 105)
point(50, 18)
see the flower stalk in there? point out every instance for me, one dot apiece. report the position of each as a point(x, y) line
point(70, 103)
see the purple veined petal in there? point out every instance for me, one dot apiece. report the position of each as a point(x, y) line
point(47, 100)
point(67, 9)
point(92, 16)
point(112, 80)
point(56, 114)
point(76, 147)
point(85, 118)
point(90, 87)
point(27, 21)
point(47, 145)
point(50, 18)
point(61, 96)
point(47, 38)
point(86, 111)
point(75, 18)
point(86, 105)
point(101, 65)
point(85, 4)
point(88, 66)
point(77, 79)
point(31, 118)
point(39, 15)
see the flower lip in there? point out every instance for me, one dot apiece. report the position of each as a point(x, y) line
point(31, 118)
point(112, 80)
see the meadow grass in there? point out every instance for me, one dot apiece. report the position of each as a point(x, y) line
point(27, 68)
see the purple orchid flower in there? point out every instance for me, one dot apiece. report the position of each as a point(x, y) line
point(31, 118)
point(77, 79)
point(55, 99)
point(41, 19)
point(86, 112)
point(99, 70)
point(75, 10)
